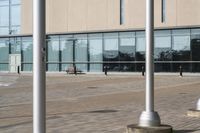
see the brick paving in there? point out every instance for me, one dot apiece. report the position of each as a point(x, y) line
point(97, 103)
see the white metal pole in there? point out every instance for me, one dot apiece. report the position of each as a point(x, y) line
point(39, 71)
point(198, 105)
point(149, 57)
point(149, 117)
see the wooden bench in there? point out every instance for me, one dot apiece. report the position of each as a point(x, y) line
point(71, 70)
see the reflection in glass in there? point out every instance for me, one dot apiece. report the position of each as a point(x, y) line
point(4, 30)
point(53, 53)
point(162, 67)
point(111, 47)
point(111, 51)
point(15, 1)
point(162, 51)
point(27, 53)
point(186, 67)
point(4, 2)
point(4, 15)
point(181, 45)
point(81, 54)
point(127, 67)
point(95, 52)
point(15, 45)
point(127, 46)
point(195, 48)
point(66, 48)
point(15, 15)
point(4, 54)
point(140, 46)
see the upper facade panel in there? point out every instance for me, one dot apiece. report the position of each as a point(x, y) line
point(96, 15)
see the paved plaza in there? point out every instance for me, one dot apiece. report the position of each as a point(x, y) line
point(96, 103)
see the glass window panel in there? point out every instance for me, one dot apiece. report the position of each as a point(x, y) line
point(96, 67)
point(4, 51)
point(140, 48)
point(15, 45)
point(15, 1)
point(53, 49)
point(4, 2)
point(139, 67)
point(111, 44)
point(95, 48)
point(127, 48)
point(111, 48)
point(127, 67)
point(162, 51)
point(195, 67)
point(95, 52)
point(186, 67)
point(53, 67)
point(15, 30)
point(162, 67)
point(181, 32)
point(27, 67)
point(195, 47)
point(3, 67)
point(4, 30)
point(141, 44)
point(66, 48)
point(81, 54)
point(82, 67)
point(127, 34)
point(65, 66)
point(112, 66)
point(181, 43)
point(181, 48)
point(15, 15)
point(27, 50)
point(195, 31)
point(4, 16)
point(163, 33)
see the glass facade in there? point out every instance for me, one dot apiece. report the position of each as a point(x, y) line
point(4, 54)
point(10, 16)
point(120, 51)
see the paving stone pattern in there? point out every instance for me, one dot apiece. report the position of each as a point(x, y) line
point(97, 103)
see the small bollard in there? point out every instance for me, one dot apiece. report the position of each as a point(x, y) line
point(75, 71)
point(181, 71)
point(18, 69)
point(106, 70)
point(142, 70)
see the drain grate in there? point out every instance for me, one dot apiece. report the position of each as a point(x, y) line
point(92, 87)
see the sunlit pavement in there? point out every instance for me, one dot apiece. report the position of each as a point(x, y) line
point(97, 103)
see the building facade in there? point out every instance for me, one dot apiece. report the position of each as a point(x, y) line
point(95, 33)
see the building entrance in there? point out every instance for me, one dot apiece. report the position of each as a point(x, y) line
point(14, 62)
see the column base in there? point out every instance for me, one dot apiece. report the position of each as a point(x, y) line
point(155, 129)
point(193, 113)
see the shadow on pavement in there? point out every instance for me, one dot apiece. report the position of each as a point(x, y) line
point(185, 131)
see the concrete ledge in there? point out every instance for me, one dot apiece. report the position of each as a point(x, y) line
point(139, 129)
point(193, 113)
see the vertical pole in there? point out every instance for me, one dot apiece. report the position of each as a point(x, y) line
point(39, 70)
point(149, 117)
point(149, 56)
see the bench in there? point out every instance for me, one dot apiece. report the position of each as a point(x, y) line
point(72, 70)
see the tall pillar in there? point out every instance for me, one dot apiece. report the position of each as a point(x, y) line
point(149, 117)
point(39, 70)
